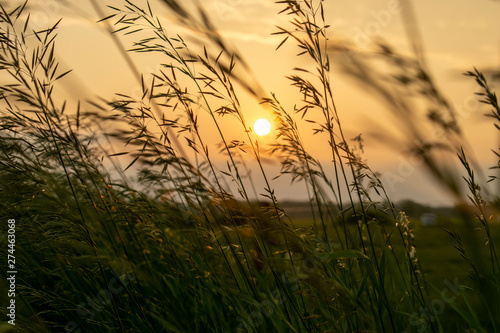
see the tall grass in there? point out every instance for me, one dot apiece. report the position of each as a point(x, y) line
point(179, 250)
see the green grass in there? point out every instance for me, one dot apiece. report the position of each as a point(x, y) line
point(441, 264)
point(174, 249)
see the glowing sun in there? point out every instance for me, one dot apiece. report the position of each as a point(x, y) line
point(262, 127)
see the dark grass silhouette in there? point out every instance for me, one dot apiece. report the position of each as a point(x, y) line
point(175, 250)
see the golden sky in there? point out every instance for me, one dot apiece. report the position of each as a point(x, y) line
point(456, 35)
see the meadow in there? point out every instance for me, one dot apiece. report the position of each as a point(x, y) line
point(184, 245)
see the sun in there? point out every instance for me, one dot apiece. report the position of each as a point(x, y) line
point(262, 127)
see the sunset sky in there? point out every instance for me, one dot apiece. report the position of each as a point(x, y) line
point(457, 35)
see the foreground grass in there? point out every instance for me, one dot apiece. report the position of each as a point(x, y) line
point(443, 267)
point(174, 250)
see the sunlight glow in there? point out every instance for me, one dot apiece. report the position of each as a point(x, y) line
point(262, 127)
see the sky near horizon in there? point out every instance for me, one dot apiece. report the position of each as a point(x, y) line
point(457, 35)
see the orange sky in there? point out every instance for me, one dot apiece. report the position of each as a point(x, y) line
point(457, 35)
